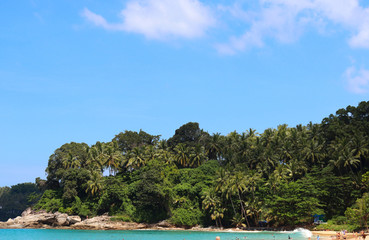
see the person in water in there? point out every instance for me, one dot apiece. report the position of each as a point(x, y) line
point(217, 238)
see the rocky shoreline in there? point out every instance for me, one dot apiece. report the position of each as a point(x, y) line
point(43, 219)
point(57, 220)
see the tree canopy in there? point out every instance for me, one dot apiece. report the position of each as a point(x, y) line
point(283, 175)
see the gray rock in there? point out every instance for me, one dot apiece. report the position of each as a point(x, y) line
point(74, 219)
point(62, 219)
point(26, 212)
point(164, 224)
point(17, 219)
point(10, 221)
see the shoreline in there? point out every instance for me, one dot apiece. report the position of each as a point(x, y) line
point(322, 234)
point(57, 220)
point(118, 226)
point(44, 220)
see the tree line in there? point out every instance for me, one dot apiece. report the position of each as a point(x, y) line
point(281, 177)
point(15, 199)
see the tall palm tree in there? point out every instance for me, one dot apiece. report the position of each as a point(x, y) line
point(212, 203)
point(349, 160)
point(343, 157)
point(296, 168)
point(280, 173)
point(182, 154)
point(313, 130)
point(94, 185)
point(197, 155)
point(163, 144)
point(267, 161)
point(214, 147)
point(239, 186)
point(96, 157)
point(232, 149)
point(254, 209)
point(313, 151)
point(136, 158)
point(71, 161)
point(112, 157)
point(166, 156)
point(360, 148)
point(225, 185)
point(151, 153)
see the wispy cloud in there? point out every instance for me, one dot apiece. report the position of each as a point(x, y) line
point(159, 19)
point(357, 80)
point(100, 21)
point(286, 21)
point(259, 20)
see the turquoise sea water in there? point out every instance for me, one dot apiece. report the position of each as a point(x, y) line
point(54, 234)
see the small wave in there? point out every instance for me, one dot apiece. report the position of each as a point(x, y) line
point(301, 231)
point(305, 232)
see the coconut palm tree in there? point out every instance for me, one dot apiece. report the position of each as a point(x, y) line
point(94, 185)
point(313, 152)
point(71, 161)
point(182, 154)
point(214, 147)
point(224, 184)
point(238, 185)
point(212, 203)
point(96, 157)
point(150, 152)
point(136, 158)
point(296, 168)
point(112, 156)
point(197, 155)
point(360, 147)
point(166, 156)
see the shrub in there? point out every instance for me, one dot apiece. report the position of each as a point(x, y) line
point(80, 208)
point(186, 217)
point(337, 224)
point(50, 201)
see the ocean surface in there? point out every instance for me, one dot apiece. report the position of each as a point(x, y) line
point(55, 234)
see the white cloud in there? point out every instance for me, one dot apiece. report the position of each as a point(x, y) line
point(286, 21)
point(357, 80)
point(100, 21)
point(160, 19)
point(361, 39)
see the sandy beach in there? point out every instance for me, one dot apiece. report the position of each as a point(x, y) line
point(332, 235)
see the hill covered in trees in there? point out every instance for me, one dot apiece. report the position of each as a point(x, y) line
point(283, 175)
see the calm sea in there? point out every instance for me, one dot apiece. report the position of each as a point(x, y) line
point(54, 234)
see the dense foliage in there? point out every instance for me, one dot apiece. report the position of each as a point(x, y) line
point(283, 175)
point(14, 200)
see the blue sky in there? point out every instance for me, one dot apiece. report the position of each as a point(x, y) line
point(86, 70)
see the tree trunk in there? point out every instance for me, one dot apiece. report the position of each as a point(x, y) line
point(243, 210)
point(234, 210)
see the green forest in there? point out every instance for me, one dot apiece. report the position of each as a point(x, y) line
point(281, 177)
point(14, 200)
